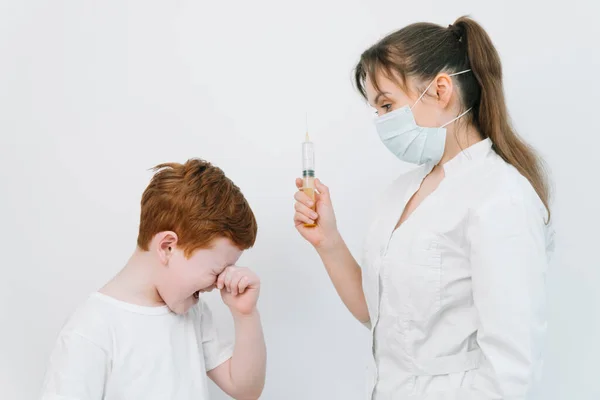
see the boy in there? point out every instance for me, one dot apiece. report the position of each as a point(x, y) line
point(147, 334)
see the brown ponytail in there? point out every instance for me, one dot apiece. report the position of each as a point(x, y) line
point(491, 113)
point(424, 50)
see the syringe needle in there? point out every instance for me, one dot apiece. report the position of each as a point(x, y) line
point(306, 121)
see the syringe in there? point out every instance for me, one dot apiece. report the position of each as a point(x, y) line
point(308, 171)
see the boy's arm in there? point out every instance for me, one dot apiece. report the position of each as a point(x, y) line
point(243, 375)
point(77, 370)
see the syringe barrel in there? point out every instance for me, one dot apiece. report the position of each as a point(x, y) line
point(308, 159)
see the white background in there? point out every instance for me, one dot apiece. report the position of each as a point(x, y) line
point(94, 93)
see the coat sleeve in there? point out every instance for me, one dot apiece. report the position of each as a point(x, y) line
point(508, 251)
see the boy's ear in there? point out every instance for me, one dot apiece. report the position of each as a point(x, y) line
point(166, 244)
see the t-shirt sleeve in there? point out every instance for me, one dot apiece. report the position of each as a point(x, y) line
point(77, 370)
point(216, 350)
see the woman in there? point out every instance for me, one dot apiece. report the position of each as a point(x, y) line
point(452, 280)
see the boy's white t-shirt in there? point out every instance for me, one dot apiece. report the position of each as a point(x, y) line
point(112, 350)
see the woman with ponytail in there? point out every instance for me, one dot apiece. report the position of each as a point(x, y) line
point(451, 284)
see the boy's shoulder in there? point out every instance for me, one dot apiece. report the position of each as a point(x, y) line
point(92, 320)
point(201, 316)
point(206, 326)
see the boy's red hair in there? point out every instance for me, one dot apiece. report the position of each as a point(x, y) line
point(197, 202)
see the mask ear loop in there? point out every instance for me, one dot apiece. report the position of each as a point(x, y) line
point(422, 94)
point(451, 121)
point(428, 86)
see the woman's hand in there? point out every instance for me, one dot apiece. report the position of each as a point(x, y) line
point(324, 233)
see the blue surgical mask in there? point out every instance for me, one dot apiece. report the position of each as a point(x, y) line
point(410, 142)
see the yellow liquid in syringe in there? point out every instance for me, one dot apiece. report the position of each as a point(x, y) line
point(309, 189)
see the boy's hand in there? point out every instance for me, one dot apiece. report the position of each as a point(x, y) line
point(239, 289)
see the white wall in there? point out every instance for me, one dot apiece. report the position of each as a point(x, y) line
point(93, 93)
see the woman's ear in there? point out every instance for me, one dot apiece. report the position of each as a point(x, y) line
point(443, 89)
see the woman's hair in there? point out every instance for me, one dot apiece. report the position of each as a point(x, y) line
point(423, 50)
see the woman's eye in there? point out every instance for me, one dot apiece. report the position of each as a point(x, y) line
point(386, 107)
